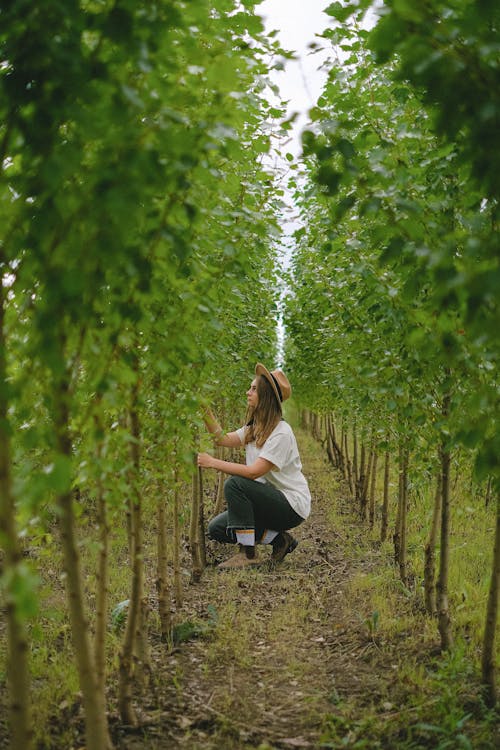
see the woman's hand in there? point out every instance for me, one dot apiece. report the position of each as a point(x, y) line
point(205, 460)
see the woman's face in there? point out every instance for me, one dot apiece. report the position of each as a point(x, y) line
point(252, 396)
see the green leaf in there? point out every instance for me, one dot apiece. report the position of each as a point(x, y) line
point(341, 12)
point(59, 474)
point(21, 589)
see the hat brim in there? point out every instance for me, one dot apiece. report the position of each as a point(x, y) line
point(260, 369)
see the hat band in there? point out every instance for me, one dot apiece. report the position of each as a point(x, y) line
point(277, 386)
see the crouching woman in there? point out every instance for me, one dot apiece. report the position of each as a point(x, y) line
point(268, 495)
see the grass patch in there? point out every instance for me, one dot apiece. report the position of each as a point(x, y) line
point(433, 699)
point(331, 644)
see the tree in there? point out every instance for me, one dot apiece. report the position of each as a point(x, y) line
point(393, 267)
point(132, 208)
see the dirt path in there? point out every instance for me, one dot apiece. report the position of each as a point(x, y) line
point(285, 655)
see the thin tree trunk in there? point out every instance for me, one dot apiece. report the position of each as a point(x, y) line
point(96, 729)
point(488, 655)
point(360, 483)
point(487, 497)
point(129, 500)
point(129, 652)
point(219, 495)
point(365, 485)
point(329, 442)
point(328, 438)
point(102, 575)
point(17, 639)
point(385, 502)
point(128, 518)
point(343, 457)
point(373, 483)
point(201, 521)
point(162, 584)
point(194, 528)
point(355, 461)
point(337, 452)
point(444, 621)
point(403, 524)
point(368, 473)
point(430, 554)
point(177, 545)
point(314, 425)
point(348, 465)
point(397, 525)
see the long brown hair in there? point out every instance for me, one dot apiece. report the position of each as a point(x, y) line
point(262, 419)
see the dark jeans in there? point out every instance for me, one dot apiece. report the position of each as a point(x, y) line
point(252, 505)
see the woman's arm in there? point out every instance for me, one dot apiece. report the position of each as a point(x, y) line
point(228, 440)
point(253, 471)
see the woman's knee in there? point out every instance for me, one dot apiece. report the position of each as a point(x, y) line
point(230, 485)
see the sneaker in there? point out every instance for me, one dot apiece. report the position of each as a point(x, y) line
point(282, 545)
point(240, 560)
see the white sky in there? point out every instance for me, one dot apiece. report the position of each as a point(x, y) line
point(298, 23)
point(301, 82)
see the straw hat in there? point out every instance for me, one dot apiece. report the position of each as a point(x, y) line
point(278, 381)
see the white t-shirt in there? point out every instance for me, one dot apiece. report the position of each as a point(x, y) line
point(281, 450)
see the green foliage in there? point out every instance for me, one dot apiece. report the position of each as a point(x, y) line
point(391, 316)
point(139, 227)
point(391, 305)
point(450, 52)
point(444, 737)
point(19, 586)
point(189, 629)
point(137, 242)
point(136, 215)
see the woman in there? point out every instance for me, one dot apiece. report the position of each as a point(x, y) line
point(269, 493)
